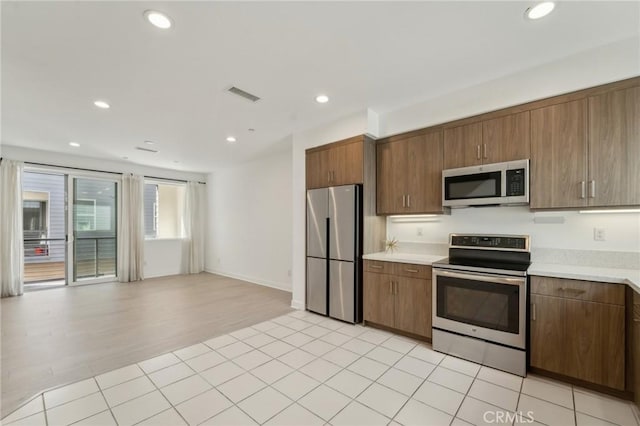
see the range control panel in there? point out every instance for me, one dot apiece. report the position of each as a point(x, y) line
point(505, 242)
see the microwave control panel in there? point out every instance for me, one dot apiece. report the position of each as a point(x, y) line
point(515, 183)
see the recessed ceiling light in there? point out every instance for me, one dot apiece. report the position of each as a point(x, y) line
point(322, 99)
point(231, 139)
point(102, 104)
point(251, 129)
point(540, 10)
point(176, 162)
point(158, 19)
point(149, 142)
point(125, 158)
point(74, 144)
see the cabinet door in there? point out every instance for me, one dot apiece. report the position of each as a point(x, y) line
point(346, 164)
point(636, 346)
point(424, 173)
point(614, 148)
point(413, 305)
point(378, 298)
point(317, 172)
point(547, 333)
point(558, 156)
point(391, 177)
point(462, 146)
point(506, 138)
point(595, 343)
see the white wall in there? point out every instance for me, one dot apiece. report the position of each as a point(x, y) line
point(162, 257)
point(249, 215)
point(589, 68)
point(622, 230)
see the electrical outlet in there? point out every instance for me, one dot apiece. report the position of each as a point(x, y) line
point(419, 230)
point(598, 234)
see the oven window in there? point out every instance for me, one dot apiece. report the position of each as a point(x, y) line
point(480, 185)
point(488, 305)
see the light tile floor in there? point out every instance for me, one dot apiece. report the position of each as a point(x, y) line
point(305, 369)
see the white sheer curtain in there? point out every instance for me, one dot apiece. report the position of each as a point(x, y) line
point(193, 221)
point(131, 229)
point(11, 243)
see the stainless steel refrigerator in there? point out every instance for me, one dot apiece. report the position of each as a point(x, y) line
point(334, 229)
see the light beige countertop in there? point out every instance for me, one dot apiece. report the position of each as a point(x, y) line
point(631, 277)
point(415, 258)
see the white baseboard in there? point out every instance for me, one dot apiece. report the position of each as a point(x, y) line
point(253, 280)
point(297, 304)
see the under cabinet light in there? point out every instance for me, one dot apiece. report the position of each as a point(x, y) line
point(609, 211)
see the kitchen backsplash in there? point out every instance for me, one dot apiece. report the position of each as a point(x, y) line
point(550, 230)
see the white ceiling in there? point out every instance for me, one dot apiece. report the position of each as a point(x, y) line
point(169, 86)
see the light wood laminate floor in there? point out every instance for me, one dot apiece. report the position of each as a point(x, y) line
point(58, 336)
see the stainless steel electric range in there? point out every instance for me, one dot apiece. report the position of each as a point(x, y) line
point(480, 300)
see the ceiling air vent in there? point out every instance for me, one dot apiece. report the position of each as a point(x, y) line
point(141, 148)
point(243, 94)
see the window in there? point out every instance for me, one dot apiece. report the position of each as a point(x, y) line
point(85, 214)
point(34, 219)
point(163, 210)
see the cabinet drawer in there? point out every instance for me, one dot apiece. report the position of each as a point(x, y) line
point(412, 271)
point(376, 266)
point(580, 290)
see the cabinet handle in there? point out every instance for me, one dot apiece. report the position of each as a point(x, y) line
point(328, 176)
point(478, 153)
point(390, 287)
point(333, 176)
point(408, 200)
point(485, 150)
point(395, 288)
point(404, 201)
point(583, 189)
point(376, 266)
point(415, 271)
point(533, 312)
point(592, 189)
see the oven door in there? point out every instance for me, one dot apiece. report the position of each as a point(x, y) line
point(486, 306)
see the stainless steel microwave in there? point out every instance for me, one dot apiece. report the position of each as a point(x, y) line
point(488, 184)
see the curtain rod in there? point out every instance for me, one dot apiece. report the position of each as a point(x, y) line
point(104, 171)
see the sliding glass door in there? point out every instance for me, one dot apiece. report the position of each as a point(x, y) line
point(44, 229)
point(93, 218)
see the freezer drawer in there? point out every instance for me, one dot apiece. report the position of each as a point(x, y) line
point(342, 291)
point(317, 285)
point(317, 213)
point(343, 208)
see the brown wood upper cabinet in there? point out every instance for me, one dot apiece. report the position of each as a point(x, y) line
point(636, 346)
point(490, 141)
point(584, 153)
point(398, 295)
point(614, 148)
point(409, 175)
point(339, 163)
point(578, 330)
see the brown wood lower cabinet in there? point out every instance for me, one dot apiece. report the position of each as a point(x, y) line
point(636, 346)
point(398, 296)
point(575, 334)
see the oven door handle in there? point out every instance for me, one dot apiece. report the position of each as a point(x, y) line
point(482, 277)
